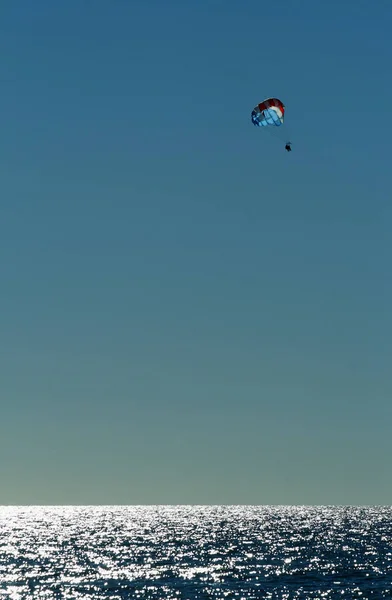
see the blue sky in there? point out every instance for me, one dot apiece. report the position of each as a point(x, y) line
point(189, 314)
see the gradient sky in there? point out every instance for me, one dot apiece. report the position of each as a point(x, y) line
point(189, 314)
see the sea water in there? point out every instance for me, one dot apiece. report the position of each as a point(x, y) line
point(195, 552)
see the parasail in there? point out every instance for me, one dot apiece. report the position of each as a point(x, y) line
point(268, 112)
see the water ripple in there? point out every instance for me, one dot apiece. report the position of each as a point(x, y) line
point(195, 552)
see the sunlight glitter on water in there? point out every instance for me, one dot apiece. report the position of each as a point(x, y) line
point(195, 552)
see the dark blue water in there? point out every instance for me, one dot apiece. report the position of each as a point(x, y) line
point(184, 552)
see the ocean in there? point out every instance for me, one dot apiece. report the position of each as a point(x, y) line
point(195, 552)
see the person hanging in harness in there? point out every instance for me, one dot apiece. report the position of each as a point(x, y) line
point(288, 146)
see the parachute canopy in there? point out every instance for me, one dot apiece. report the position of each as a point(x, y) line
point(268, 112)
